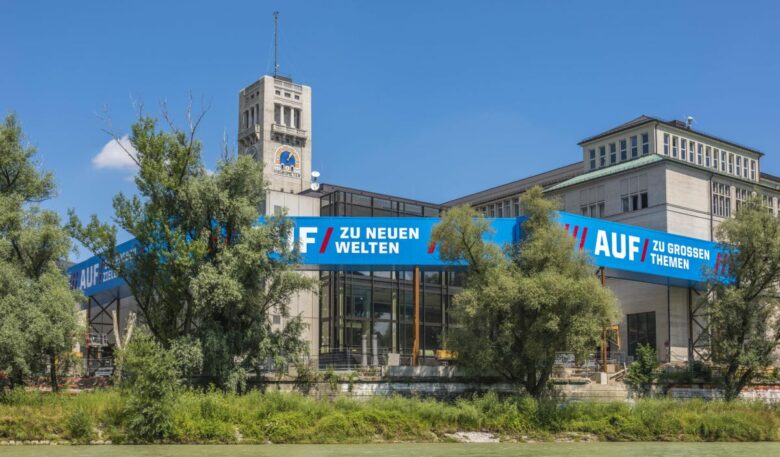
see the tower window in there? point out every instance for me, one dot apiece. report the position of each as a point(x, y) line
point(645, 144)
point(623, 155)
point(666, 144)
point(634, 147)
point(612, 153)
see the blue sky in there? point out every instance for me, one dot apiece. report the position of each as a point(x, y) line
point(424, 99)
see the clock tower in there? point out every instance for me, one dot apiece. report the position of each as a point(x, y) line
point(274, 127)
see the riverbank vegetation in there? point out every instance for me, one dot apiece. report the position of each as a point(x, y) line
point(216, 417)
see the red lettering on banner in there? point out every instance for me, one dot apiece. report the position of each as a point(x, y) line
point(644, 249)
point(584, 234)
point(324, 245)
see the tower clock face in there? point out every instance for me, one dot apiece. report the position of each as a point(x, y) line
point(287, 159)
point(287, 162)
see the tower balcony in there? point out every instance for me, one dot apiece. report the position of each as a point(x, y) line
point(291, 131)
point(250, 135)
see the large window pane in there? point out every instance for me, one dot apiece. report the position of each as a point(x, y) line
point(431, 339)
point(406, 304)
point(641, 330)
point(359, 301)
point(383, 302)
point(385, 337)
point(432, 308)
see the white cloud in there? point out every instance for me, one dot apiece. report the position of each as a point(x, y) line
point(115, 155)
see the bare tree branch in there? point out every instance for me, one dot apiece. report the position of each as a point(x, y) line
point(109, 130)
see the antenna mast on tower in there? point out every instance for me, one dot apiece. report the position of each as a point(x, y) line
point(276, 43)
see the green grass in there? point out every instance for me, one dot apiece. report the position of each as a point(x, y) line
point(214, 417)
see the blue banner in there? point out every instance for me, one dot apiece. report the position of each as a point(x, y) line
point(400, 243)
point(640, 250)
point(371, 242)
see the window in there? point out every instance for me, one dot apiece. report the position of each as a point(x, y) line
point(499, 210)
point(633, 193)
point(683, 149)
point(623, 155)
point(516, 204)
point(699, 149)
point(634, 147)
point(592, 154)
point(742, 195)
point(768, 203)
point(715, 159)
point(666, 144)
point(721, 199)
point(707, 154)
point(612, 153)
point(731, 163)
point(641, 330)
point(278, 92)
point(745, 167)
point(722, 160)
point(739, 165)
point(592, 201)
point(753, 170)
point(645, 143)
point(277, 114)
point(602, 156)
point(297, 97)
point(674, 147)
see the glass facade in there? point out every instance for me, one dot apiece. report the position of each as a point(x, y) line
point(357, 303)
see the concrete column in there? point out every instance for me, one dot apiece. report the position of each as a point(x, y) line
point(364, 350)
point(374, 351)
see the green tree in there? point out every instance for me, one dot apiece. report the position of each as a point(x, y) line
point(745, 310)
point(642, 372)
point(37, 308)
point(205, 270)
point(523, 303)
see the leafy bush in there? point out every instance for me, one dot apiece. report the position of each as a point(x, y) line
point(79, 425)
point(642, 372)
point(152, 384)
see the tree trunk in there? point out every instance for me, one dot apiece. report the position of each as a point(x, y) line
point(53, 373)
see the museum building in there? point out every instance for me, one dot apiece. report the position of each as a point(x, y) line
point(653, 173)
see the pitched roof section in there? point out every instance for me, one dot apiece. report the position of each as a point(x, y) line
point(521, 185)
point(606, 171)
point(643, 119)
point(632, 123)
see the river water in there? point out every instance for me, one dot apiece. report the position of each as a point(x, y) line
point(412, 450)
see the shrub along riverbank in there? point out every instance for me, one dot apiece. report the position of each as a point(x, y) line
point(291, 418)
